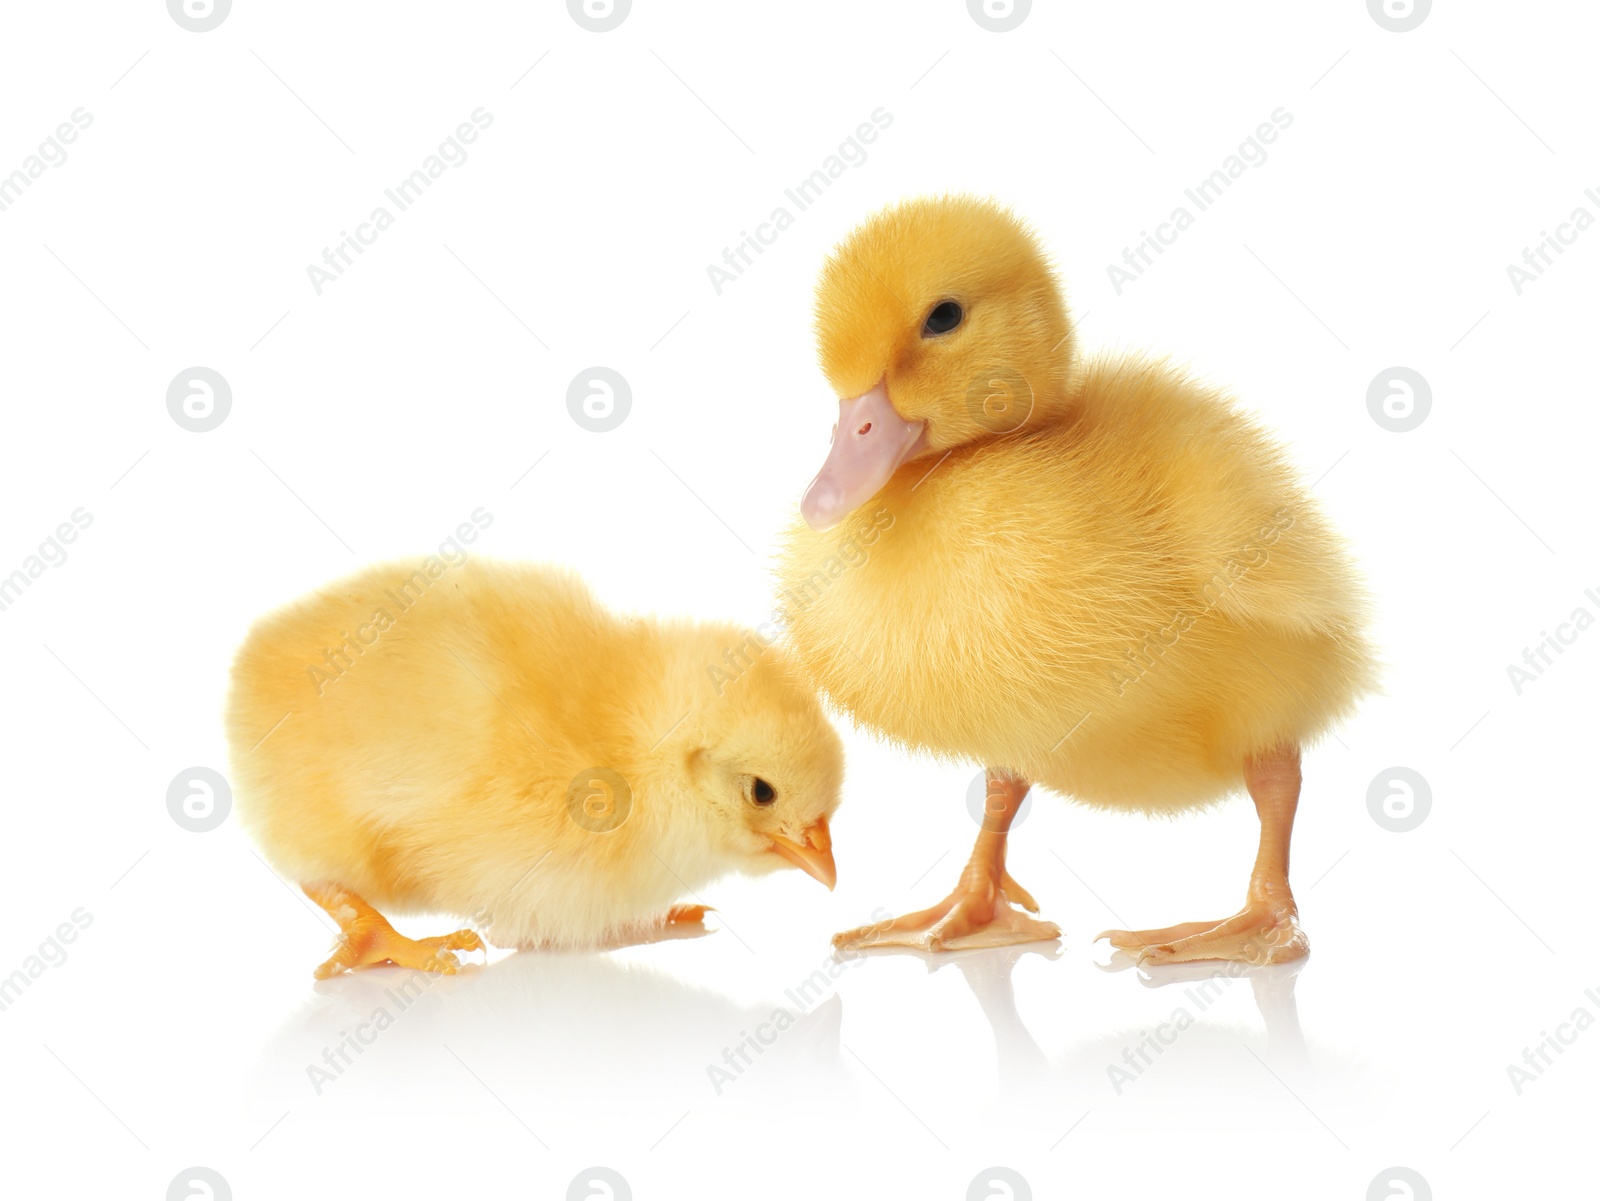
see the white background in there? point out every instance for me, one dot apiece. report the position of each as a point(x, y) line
point(427, 381)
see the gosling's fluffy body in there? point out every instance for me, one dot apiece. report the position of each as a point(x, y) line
point(1122, 600)
point(432, 773)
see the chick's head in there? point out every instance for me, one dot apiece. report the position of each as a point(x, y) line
point(765, 764)
point(938, 322)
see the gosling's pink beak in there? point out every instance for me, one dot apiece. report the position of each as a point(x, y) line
point(869, 444)
point(815, 858)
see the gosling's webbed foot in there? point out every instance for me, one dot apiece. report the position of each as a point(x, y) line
point(983, 910)
point(979, 913)
point(1256, 934)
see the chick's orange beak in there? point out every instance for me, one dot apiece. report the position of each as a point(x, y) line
point(869, 444)
point(815, 858)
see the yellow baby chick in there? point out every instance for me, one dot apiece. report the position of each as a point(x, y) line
point(1093, 574)
point(486, 740)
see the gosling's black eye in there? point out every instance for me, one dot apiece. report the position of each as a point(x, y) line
point(945, 317)
point(763, 793)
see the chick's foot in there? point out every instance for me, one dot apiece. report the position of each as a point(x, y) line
point(366, 938)
point(688, 915)
point(387, 946)
point(1257, 934)
point(979, 913)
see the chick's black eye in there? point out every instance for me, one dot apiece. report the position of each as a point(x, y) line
point(944, 318)
point(763, 793)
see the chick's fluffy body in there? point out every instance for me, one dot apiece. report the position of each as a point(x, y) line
point(1123, 599)
point(432, 773)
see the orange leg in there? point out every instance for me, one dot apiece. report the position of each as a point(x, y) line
point(688, 915)
point(366, 938)
point(979, 913)
point(1267, 929)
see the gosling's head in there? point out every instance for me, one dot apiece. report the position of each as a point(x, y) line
point(938, 322)
point(765, 765)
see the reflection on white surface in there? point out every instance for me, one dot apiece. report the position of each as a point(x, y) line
point(1020, 1063)
point(1188, 1048)
point(568, 1025)
point(555, 1029)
